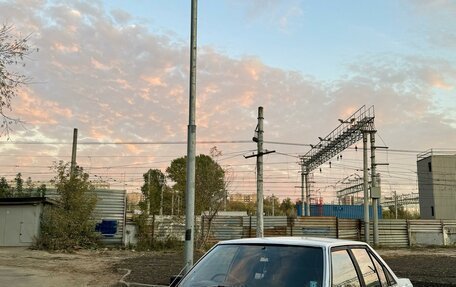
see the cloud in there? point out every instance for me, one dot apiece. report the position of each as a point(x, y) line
point(115, 80)
point(38, 111)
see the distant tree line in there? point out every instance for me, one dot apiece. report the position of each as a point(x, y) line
point(21, 188)
point(271, 206)
point(211, 190)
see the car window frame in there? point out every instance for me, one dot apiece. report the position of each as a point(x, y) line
point(352, 258)
point(322, 251)
point(388, 274)
point(369, 254)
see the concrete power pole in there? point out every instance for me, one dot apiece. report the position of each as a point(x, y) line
point(273, 203)
point(162, 184)
point(260, 223)
point(306, 177)
point(258, 138)
point(148, 194)
point(366, 191)
point(375, 190)
point(395, 204)
point(303, 209)
point(191, 147)
point(73, 152)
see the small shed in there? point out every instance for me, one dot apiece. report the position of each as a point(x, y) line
point(20, 220)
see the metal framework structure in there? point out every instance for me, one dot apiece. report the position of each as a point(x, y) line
point(347, 133)
point(352, 189)
point(356, 186)
point(402, 199)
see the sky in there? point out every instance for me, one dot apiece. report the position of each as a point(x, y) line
point(118, 71)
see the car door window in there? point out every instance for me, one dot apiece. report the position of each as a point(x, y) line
point(389, 277)
point(343, 271)
point(367, 267)
point(380, 272)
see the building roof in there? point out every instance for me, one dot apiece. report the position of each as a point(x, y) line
point(25, 200)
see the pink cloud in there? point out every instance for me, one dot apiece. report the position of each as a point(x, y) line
point(37, 111)
point(153, 80)
point(70, 48)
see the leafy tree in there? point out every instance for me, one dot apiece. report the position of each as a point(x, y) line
point(287, 207)
point(210, 185)
point(154, 181)
point(29, 186)
point(269, 202)
point(13, 50)
point(249, 207)
point(5, 188)
point(19, 185)
point(69, 224)
point(41, 190)
point(402, 213)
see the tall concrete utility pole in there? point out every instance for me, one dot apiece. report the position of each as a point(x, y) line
point(148, 195)
point(306, 177)
point(303, 209)
point(375, 190)
point(259, 165)
point(73, 152)
point(258, 138)
point(273, 203)
point(162, 184)
point(365, 187)
point(191, 147)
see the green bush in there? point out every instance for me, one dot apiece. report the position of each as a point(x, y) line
point(69, 224)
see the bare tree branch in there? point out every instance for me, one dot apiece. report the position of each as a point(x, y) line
point(13, 50)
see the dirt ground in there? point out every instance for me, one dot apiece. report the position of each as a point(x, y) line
point(425, 267)
point(24, 267)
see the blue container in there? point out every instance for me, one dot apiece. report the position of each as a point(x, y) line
point(340, 211)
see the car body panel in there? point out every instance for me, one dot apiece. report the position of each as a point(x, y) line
point(326, 244)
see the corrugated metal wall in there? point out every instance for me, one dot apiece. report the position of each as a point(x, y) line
point(315, 227)
point(392, 232)
point(222, 228)
point(110, 205)
point(349, 229)
point(233, 227)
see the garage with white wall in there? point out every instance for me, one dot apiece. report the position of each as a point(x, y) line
point(20, 220)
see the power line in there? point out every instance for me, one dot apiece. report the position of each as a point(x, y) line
point(123, 143)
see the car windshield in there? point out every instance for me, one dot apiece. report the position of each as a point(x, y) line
point(258, 265)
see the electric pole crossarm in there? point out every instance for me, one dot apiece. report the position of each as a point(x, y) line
point(260, 154)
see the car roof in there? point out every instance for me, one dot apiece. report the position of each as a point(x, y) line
point(295, 241)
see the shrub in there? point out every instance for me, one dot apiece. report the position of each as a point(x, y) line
point(69, 224)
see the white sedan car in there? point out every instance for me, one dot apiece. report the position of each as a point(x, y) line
point(291, 262)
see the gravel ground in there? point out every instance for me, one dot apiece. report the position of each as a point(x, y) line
point(426, 267)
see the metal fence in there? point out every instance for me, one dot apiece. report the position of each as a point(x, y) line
point(392, 232)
